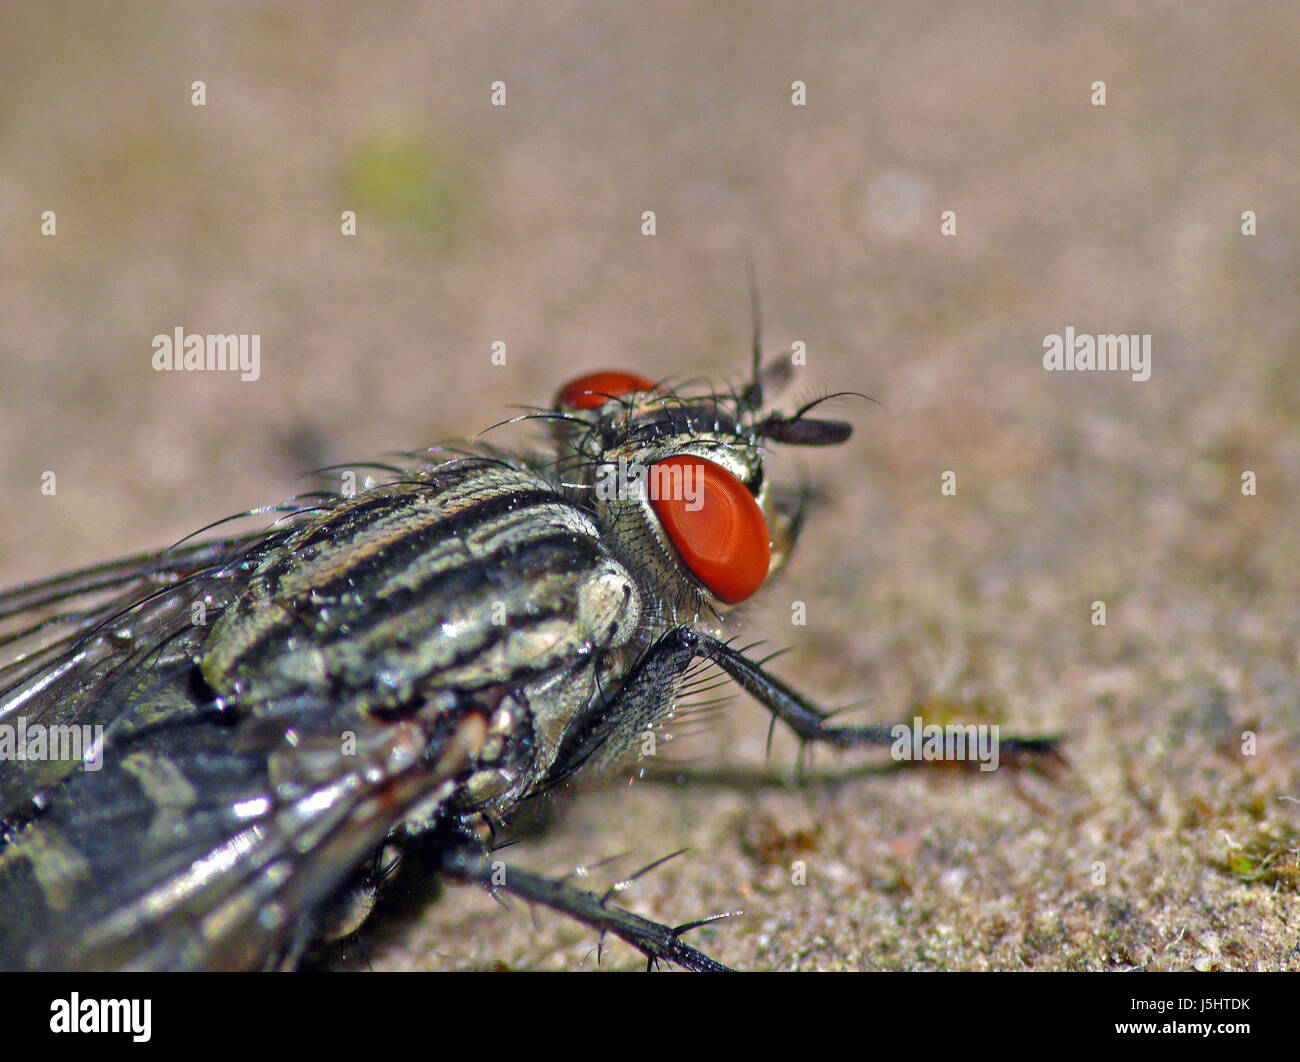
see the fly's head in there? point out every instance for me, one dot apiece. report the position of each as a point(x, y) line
point(677, 479)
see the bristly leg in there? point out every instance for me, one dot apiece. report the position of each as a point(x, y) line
point(805, 718)
point(463, 859)
point(648, 689)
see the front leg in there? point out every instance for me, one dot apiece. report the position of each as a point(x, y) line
point(609, 725)
point(809, 721)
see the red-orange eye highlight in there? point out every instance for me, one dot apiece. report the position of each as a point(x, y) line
point(724, 540)
point(596, 388)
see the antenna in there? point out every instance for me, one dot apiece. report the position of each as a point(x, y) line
point(752, 397)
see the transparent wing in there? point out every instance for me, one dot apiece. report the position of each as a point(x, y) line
point(192, 840)
point(54, 626)
point(211, 847)
point(83, 649)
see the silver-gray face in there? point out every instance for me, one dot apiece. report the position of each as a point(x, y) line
point(431, 650)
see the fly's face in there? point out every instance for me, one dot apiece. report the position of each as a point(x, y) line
point(677, 479)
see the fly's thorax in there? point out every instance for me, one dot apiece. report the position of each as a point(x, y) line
point(451, 587)
point(492, 591)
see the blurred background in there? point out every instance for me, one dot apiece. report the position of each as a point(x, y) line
point(1162, 846)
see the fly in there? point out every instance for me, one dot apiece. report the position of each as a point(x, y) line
point(279, 719)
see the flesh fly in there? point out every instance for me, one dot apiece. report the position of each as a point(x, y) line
point(279, 719)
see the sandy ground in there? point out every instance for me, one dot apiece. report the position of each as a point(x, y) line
point(1162, 846)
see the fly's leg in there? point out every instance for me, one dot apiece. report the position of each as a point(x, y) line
point(649, 689)
point(462, 859)
point(805, 718)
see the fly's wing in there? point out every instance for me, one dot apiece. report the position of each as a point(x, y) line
point(69, 645)
point(210, 848)
point(179, 836)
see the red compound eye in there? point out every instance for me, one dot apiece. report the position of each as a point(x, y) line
point(596, 388)
point(724, 541)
